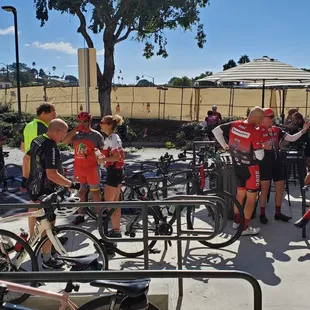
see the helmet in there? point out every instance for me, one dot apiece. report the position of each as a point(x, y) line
point(214, 107)
point(63, 211)
point(84, 117)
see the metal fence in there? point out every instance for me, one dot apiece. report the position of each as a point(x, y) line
point(176, 103)
point(188, 235)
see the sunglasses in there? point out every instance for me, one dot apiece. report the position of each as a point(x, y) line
point(271, 116)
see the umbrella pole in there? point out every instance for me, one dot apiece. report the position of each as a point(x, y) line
point(283, 104)
point(263, 95)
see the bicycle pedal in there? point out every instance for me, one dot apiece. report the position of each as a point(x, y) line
point(154, 251)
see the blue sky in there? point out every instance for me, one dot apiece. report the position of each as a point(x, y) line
point(275, 28)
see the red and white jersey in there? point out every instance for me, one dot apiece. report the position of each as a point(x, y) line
point(113, 145)
point(243, 140)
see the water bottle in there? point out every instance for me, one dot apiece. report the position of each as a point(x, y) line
point(7, 244)
point(24, 235)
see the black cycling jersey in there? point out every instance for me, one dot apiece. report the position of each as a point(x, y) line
point(44, 155)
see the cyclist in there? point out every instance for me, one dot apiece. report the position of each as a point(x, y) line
point(45, 113)
point(272, 167)
point(216, 114)
point(114, 161)
point(244, 144)
point(46, 174)
point(86, 169)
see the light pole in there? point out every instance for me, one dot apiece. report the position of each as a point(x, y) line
point(13, 10)
point(143, 75)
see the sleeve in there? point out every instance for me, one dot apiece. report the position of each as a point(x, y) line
point(50, 156)
point(257, 139)
point(100, 141)
point(116, 144)
point(226, 129)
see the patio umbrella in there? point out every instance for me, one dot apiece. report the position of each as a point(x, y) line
point(261, 70)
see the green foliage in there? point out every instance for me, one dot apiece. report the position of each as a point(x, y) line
point(188, 132)
point(145, 83)
point(180, 82)
point(243, 59)
point(169, 145)
point(230, 64)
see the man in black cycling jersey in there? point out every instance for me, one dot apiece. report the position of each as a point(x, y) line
point(46, 174)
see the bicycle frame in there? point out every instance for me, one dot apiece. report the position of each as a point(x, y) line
point(40, 227)
point(62, 298)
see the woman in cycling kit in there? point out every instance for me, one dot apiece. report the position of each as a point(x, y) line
point(271, 166)
point(114, 156)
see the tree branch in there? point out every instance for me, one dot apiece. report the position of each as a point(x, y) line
point(125, 36)
point(82, 27)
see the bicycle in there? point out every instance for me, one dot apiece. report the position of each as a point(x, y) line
point(129, 294)
point(45, 216)
point(158, 216)
point(10, 175)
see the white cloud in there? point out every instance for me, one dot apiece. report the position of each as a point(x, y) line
point(58, 57)
point(27, 45)
point(100, 53)
point(71, 66)
point(7, 31)
point(64, 47)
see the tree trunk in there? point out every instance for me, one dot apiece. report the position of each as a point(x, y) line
point(105, 80)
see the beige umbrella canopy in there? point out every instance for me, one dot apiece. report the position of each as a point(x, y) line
point(263, 70)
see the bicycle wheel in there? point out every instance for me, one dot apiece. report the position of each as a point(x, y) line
point(13, 178)
point(227, 234)
point(80, 242)
point(103, 303)
point(9, 263)
point(132, 226)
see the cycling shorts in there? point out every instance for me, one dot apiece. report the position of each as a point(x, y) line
point(115, 176)
point(88, 176)
point(248, 177)
point(272, 171)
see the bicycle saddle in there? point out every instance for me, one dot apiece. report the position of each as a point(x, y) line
point(131, 288)
point(81, 262)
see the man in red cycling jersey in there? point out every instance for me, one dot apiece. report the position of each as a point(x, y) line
point(272, 166)
point(86, 168)
point(244, 145)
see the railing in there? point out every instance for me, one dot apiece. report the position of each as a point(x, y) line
point(131, 275)
point(181, 235)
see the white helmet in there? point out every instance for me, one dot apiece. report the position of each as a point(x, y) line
point(63, 211)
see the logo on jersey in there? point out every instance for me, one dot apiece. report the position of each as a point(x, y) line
point(81, 150)
point(240, 133)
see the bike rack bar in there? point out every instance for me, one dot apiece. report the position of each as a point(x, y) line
point(178, 201)
point(59, 276)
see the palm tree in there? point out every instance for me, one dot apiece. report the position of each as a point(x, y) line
point(54, 68)
point(243, 59)
point(33, 64)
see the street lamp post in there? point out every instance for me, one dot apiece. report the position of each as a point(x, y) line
point(149, 77)
point(13, 10)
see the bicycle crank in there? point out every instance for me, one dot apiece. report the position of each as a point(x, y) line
point(165, 229)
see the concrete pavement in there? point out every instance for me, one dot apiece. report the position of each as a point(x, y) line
point(278, 258)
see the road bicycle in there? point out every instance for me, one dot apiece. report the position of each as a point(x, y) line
point(10, 175)
point(129, 294)
point(14, 260)
point(158, 217)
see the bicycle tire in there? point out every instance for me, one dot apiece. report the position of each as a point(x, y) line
point(104, 301)
point(238, 231)
point(138, 253)
point(34, 262)
point(97, 244)
point(15, 176)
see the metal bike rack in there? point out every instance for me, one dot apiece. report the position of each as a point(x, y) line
point(181, 235)
point(59, 276)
